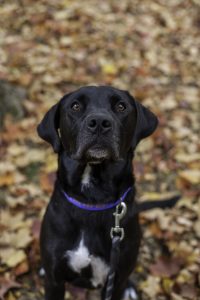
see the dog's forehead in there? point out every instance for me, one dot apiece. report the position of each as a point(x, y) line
point(97, 94)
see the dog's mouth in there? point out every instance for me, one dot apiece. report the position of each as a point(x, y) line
point(97, 154)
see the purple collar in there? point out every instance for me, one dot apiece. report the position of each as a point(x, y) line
point(97, 207)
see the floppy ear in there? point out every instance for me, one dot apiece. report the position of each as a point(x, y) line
point(48, 128)
point(146, 123)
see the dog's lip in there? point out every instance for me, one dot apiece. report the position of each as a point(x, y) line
point(97, 154)
point(93, 154)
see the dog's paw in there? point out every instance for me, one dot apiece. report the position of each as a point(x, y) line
point(130, 294)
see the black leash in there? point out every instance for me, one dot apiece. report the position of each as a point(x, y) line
point(114, 259)
point(117, 235)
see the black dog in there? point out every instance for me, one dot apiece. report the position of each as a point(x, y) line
point(95, 131)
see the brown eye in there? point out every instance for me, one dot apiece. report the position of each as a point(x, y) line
point(76, 106)
point(120, 107)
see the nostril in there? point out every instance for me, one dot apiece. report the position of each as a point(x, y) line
point(106, 124)
point(92, 123)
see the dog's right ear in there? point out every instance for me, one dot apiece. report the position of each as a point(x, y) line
point(48, 127)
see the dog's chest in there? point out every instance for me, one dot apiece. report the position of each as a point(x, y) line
point(80, 258)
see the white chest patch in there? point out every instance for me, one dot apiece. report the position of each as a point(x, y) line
point(99, 270)
point(80, 258)
point(85, 180)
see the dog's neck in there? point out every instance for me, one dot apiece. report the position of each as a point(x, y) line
point(95, 183)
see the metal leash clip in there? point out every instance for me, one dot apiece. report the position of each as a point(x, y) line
point(119, 213)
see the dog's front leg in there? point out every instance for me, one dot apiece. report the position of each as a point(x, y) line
point(123, 291)
point(118, 292)
point(54, 291)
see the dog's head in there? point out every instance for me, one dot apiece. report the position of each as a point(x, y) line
point(94, 124)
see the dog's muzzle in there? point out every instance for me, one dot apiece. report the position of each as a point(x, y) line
point(96, 140)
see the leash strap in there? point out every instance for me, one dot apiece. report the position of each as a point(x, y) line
point(117, 235)
point(114, 259)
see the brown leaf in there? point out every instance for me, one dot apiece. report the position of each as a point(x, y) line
point(36, 229)
point(186, 290)
point(22, 268)
point(155, 230)
point(166, 267)
point(6, 285)
point(47, 182)
point(7, 179)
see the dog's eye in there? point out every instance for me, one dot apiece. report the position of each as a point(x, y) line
point(76, 106)
point(120, 107)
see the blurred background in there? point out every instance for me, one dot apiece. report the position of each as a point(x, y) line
point(151, 49)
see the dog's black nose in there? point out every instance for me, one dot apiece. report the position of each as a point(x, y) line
point(101, 123)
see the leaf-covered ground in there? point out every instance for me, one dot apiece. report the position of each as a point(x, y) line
point(150, 48)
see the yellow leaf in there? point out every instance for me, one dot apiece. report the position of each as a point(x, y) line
point(17, 258)
point(109, 69)
point(10, 296)
point(151, 196)
point(186, 157)
point(197, 227)
point(51, 163)
point(139, 269)
point(22, 238)
point(192, 176)
point(167, 284)
point(7, 179)
point(12, 221)
point(151, 286)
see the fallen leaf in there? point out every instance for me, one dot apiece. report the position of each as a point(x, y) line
point(197, 228)
point(22, 268)
point(152, 196)
point(187, 157)
point(167, 284)
point(192, 176)
point(17, 221)
point(36, 229)
point(7, 179)
point(17, 257)
point(10, 296)
point(161, 216)
point(109, 69)
point(51, 163)
point(47, 182)
point(6, 285)
point(176, 297)
point(6, 167)
point(166, 267)
point(186, 290)
point(22, 238)
point(151, 286)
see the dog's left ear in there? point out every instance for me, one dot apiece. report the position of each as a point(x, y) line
point(146, 123)
point(48, 127)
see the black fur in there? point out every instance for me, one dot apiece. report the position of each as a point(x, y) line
point(98, 132)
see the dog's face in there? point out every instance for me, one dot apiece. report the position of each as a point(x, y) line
point(97, 124)
point(94, 124)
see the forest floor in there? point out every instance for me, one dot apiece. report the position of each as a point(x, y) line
point(151, 49)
